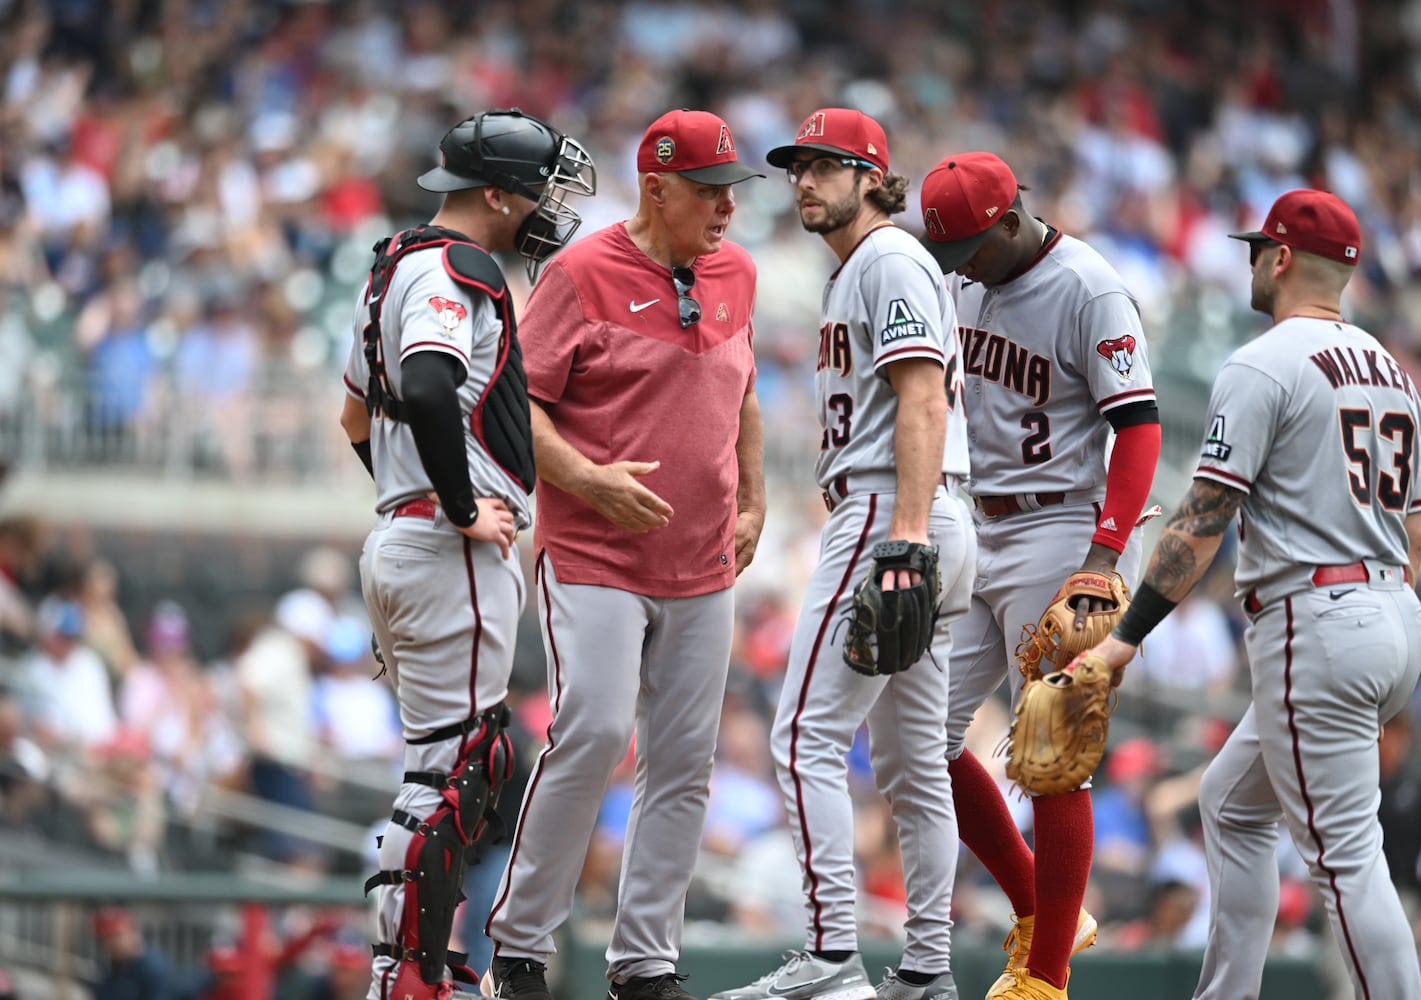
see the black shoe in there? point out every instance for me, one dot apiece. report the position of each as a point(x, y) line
point(666, 986)
point(518, 979)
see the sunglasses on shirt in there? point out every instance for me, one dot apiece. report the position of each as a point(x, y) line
point(688, 310)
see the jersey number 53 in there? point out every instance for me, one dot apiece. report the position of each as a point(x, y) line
point(1392, 484)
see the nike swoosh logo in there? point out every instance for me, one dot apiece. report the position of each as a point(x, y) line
point(639, 306)
point(1335, 594)
point(779, 992)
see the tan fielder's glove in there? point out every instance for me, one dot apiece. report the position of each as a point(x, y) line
point(1053, 642)
point(1058, 735)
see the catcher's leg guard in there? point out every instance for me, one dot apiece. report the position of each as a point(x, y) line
point(436, 857)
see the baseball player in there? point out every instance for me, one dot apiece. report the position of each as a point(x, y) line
point(1312, 441)
point(895, 444)
point(437, 409)
point(650, 503)
point(1054, 359)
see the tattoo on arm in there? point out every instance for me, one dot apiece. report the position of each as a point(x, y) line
point(1194, 531)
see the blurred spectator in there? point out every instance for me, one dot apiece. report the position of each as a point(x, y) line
point(1168, 907)
point(170, 697)
point(347, 975)
point(331, 573)
point(21, 545)
point(105, 628)
point(69, 688)
point(1291, 935)
point(275, 677)
point(8, 989)
point(745, 802)
point(1194, 648)
point(1122, 828)
point(1400, 811)
point(133, 970)
point(358, 718)
point(122, 801)
point(24, 768)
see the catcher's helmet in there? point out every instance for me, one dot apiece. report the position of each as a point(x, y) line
point(525, 156)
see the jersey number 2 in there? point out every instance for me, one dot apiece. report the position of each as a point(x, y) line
point(1036, 446)
point(1392, 484)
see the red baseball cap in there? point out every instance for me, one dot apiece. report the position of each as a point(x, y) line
point(963, 197)
point(845, 131)
point(1311, 221)
point(696, 144)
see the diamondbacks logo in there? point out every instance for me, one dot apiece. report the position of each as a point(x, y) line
point(1120, 352)
point(1214, 444)
point(665, 150)
point(725, 144)
point(933, 223)
point(722, 313)
point(450, 314)
point(901, 323)
point(813, 127)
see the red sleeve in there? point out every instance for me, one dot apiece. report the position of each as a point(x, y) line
point(1127, 483)
point(550, 332)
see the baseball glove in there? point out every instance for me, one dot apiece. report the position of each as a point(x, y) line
point(1058, 735)
point(1053, 642)
point(890, 630)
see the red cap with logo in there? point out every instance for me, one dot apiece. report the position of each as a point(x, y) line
point(963, 197)
point(845, 131)
point(696, 144)
point(1311, 221)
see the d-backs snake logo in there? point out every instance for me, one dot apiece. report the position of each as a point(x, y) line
point(450, 314)
point(1120, 352)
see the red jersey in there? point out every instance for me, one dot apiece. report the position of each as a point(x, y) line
point(622, 381)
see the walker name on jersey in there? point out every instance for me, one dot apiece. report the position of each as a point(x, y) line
point(835, 353)
point(997, 359)
point(1342, 367)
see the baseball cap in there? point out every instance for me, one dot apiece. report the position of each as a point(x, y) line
point(306, 615)
point(111, 919)
point(695, 144)
point(845, 131)
point(60, 617)
point(963, 197)
point(1311, 221)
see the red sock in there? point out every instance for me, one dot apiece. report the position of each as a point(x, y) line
point(1065, 843)
point(986, 827)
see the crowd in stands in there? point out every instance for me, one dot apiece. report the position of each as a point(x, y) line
point(188, 194)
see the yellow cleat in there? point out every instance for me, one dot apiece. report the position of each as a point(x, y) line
point(1022, 985)
point(1018, 946)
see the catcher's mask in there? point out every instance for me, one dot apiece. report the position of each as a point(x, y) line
point(525, 156)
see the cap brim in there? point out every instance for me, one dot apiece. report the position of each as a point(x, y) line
point(952, 255)
point(1253, 237)
point(720, 173)
point(782, 156)
point(443, 180)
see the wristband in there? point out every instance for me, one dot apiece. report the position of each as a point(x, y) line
point(462, 510)
point(1147, 609)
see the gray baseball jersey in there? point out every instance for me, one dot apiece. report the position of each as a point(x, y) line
point(1317, 424)
point(426, 310)
point(1045, 356)
point(885, 303)
point(1276, 405)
